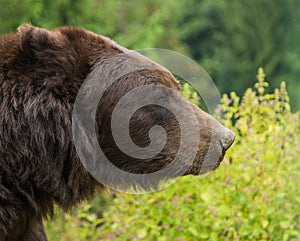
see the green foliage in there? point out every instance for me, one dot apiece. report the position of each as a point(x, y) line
point(189, 92)
point(230, 39)
point(132, 24)
point(254, 195)
point(78, 224)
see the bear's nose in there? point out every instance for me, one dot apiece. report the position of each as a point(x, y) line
point(228, 139)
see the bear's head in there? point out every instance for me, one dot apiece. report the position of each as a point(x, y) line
point(51, 67)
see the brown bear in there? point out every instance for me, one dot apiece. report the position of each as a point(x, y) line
point(41, 72)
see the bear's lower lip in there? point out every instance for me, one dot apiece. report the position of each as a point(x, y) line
point(197, 170)
point(220, 160)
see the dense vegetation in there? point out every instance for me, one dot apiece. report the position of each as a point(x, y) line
point(230, 39)
point(254, 195)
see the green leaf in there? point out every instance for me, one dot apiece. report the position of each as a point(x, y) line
point(264, 223)
point(284, 224)
point(193, 231)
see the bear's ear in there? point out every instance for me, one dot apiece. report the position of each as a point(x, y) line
point(34, 41)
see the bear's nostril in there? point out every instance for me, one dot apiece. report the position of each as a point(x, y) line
point(228, 139)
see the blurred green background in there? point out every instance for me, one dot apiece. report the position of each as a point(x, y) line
point(255, 194)
point(230, 39)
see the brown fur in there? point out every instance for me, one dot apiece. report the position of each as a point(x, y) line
point(41, 72)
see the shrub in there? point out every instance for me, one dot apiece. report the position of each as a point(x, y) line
point(254, 195)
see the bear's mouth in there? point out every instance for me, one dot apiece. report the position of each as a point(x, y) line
point(200, 168)
point(219, 161)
